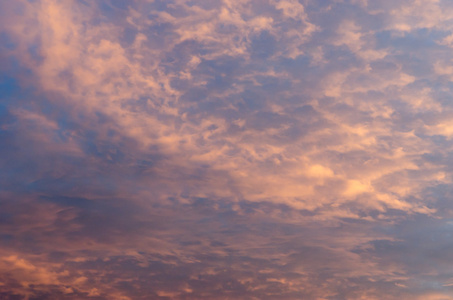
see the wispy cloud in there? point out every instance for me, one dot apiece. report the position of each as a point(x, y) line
point(225, 149)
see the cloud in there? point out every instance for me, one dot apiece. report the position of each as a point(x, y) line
point(225, 149)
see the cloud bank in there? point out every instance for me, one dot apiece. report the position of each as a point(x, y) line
point(233, 149)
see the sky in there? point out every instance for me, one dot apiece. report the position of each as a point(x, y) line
point(226, 149)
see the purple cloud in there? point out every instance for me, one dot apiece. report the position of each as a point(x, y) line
point(225, 149)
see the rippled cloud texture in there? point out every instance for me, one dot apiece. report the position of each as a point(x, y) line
point(226, 149)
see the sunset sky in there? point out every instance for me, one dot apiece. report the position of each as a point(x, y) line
point(226, 149)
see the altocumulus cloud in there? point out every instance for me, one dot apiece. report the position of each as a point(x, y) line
point(234, 149)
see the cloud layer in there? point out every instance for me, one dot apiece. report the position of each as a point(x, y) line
point(233, 149)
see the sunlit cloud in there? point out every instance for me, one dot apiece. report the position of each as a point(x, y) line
point(180, 149)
